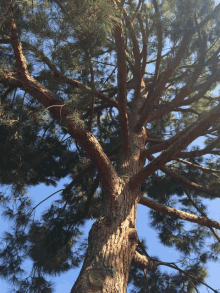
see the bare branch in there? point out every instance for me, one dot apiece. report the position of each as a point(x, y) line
point(171, 68)
point(164, 143)
point(122, 95)
point(204, 169)
point(186, 110)
point(172, 212)
point(174, 266)
point(18, 52)
point(196, 130)
point(5, 41)
point(137, 57)
point(184, 92)
point(145, 35)
point(143, 262)
point(159, 49)
point(210, 131)
point(209, 17)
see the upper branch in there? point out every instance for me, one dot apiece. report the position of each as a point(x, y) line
point(160, 43)
point(64, 79)
point(17, 47)
point(149, 103)
point(164, 144)
point(198, 153)
point(137, 56)
point(184, 92)
point(145, 35)
point(196, 130)
point(88, 142)
point(122, 94)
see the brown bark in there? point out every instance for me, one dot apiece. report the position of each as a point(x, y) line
point(178, 214)
point(164, 77)
point(185, 181)
point(121, 97)
point(113, 237)
point(74, 83)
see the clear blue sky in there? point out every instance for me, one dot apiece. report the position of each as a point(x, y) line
point(65, 282)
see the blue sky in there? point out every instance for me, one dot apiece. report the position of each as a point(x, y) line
point(65, 282)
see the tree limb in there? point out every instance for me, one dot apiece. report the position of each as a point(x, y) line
point(137, 57)
point(198, 153)
point(195, 131)
point(87, 141)
point(204, 169)
point(172, 212)
point(67, 80)
point(145, 35)
point(144, 262)
point(148, 105)
point(122, 95)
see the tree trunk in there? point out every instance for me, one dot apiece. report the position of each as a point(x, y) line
point(113, 238)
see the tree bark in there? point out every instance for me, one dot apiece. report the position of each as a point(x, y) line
point(113, 238)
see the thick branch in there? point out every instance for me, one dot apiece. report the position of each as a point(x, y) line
point(159, 46)
point(143, 262)
point(122, 95)
point(196, 130)
point(164, 143)
point(149, 104)
point(145, 35)
point(87, 141)
point(172, 212)
point(17, 47)
point(137, 57)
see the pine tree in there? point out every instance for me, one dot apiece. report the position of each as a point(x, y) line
point(77, 100)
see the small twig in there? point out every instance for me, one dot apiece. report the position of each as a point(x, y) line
point(44, 200)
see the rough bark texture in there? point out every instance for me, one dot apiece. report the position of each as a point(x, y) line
point(113, 238)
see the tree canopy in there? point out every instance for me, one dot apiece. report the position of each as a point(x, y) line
point(93, 91)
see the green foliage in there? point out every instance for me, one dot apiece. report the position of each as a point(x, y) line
point(36, 147)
